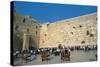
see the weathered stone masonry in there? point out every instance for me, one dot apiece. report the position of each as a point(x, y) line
point(76, 31)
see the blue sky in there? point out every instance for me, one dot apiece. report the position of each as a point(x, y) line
point(45, 12)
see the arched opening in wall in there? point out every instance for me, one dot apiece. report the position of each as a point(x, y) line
point(74, 27)
point(24, 20)
point(72, 33)
point(87, 32)
point(91, 35)
point(80, 26)
point(83, 42)
point(32, 43)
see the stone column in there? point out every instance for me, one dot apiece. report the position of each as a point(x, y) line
point(25, 42)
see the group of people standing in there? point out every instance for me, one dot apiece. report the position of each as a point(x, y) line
point(63, 52)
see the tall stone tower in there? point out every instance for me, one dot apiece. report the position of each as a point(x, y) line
point(25, 32)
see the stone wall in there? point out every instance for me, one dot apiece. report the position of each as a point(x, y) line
point(28, 26)
point(71, 32)
point(76, 31)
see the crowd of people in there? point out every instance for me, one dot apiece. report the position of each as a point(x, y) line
point(45, 53)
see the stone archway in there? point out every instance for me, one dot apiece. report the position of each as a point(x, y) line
point(32, 43)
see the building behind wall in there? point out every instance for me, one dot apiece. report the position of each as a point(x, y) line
point(76, 31)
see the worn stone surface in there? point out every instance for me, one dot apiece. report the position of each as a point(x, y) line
point(80, 30)
point(25, 27)
point(70, 32)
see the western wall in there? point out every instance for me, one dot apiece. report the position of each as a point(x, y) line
point(76, 31)
point(81, 30)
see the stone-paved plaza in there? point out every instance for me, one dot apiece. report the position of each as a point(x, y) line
point(76, 56)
